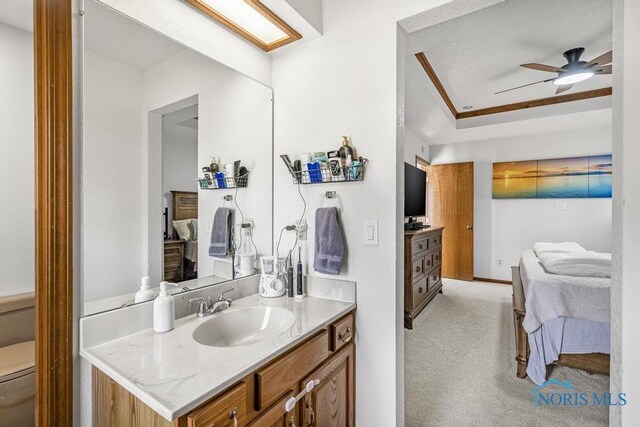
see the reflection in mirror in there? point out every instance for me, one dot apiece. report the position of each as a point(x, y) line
point(176, 165)
point(17, 252)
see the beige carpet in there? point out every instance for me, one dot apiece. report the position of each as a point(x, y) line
point(460, 368)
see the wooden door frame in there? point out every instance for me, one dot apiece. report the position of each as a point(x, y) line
point(52, 35)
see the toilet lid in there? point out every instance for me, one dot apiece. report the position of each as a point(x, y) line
point(17, 358)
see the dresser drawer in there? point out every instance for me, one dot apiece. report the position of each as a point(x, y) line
point(342, 332)
point(419, 292)
point(437, 257)
point(434, 278)
point(435, 240)
point(428, 262)
point(419, 246)
point(221, 411)
point(417, 269)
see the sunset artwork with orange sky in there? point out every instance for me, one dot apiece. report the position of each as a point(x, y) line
point(574, 177)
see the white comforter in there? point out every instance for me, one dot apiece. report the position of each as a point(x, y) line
point(583, 264)
point(548, 296)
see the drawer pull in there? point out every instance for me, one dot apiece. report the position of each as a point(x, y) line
point(346, 337)
point(418, 269)
point(428, 262)
point(420, 246)
point(292, 421)
point(312, 415)
point(435, 278)
point(419, 290)
point(232, 416)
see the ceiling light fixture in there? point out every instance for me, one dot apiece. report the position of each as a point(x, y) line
point(572, 78)
point(467, 107)
point(251, 20)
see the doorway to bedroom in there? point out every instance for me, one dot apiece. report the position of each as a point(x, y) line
point(488, 89)
point(180, 194)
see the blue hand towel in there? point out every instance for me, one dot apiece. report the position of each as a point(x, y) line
point(221, 233)
point(329, 245)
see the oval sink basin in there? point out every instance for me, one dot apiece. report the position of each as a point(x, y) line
point(244, 326)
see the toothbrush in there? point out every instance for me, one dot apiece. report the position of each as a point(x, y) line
point(299, 293)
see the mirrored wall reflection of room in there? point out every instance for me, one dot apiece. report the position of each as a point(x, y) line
point(157, 116)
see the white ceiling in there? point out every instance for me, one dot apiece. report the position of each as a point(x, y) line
point(121, 39)
point(17, 13)
point(479, 54)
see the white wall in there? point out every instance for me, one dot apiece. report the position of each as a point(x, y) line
point(234, 123)
point(505, 228)
point(414, 146)
point(179, 160)
point(346, 83)
point(625, 292)
point(17, 254)
point(112, 193)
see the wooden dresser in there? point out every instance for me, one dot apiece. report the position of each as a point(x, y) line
point(174, 260)
point(422, 267)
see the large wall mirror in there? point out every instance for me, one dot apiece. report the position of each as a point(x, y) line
point(177, 159)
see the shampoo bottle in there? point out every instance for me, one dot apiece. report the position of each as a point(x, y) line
point(163, 310)
point(145, 293)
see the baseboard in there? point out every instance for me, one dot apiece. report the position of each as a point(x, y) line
point(502, 282)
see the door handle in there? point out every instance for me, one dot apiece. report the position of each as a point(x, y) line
point(469, 227)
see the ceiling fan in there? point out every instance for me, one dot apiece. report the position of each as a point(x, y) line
point(574, 71)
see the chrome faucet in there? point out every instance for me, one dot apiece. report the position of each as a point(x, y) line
point(206, 309)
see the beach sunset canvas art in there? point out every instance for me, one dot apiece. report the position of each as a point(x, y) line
point(574, 177)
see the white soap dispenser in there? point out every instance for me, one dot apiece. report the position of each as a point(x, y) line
point(145, 293)
point(163, 310)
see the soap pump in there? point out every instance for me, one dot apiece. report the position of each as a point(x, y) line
point(145, 293)
point(163, 310)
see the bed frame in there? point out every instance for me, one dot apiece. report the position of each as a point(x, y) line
point(595, 363)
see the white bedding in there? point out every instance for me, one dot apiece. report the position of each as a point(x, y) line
point(556, 248)
point(549, 296)
point(583, 264)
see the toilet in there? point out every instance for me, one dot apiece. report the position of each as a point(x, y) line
point(17, 384)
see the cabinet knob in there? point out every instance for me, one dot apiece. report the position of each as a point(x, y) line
point(420, 246)
point(233, 416)
point(346, 337)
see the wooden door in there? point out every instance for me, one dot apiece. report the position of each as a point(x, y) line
point(276, 416)
point(450, 202)
point(332, 402)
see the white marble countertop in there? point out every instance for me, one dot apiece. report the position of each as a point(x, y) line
point(173, 374)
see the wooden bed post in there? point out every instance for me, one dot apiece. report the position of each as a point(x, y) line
point(522, 342)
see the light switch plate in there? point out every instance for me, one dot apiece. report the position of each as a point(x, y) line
point(370, 232)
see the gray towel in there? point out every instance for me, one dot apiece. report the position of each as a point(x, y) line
point(221, 233)
point(329, 246)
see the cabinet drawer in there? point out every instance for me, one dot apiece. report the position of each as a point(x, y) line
point(437, 257)
point(417, 269)
point(275, 416)
point(428, 262)
point(220, 411)
point(419, 292)
point(278, 377)
point(435, 240)
point(419, 246)
point(342, 332)
point(434, 277)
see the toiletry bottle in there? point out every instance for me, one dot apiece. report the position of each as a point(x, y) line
point(145, 293)
point(163, 310)
point(346, 152)
point(213, 166)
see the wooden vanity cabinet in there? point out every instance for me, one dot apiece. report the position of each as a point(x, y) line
point(258, 399)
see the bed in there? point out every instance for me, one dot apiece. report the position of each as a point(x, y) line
point(559, 319)
point(181, 254)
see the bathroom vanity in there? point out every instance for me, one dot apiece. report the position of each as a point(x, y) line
point(226, 371)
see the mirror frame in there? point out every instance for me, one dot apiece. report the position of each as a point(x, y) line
point(53, 73)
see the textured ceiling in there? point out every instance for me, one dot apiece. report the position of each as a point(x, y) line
point(121, 39)
point(479, 54)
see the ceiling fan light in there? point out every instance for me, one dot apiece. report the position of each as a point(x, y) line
point(572, 78)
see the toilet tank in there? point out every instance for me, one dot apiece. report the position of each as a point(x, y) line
point(17, 318)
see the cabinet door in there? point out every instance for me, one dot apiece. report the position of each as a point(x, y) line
point(332, 402)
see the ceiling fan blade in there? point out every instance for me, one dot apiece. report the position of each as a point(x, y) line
point(604, 70)
point(518, 87)
point(542, 67)
point(603, 59)
point(563, 88)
